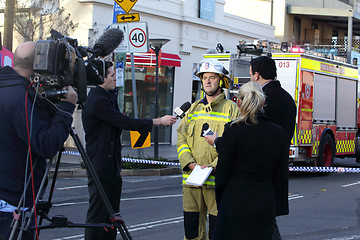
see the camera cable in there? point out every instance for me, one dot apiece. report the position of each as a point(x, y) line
point(29, 155)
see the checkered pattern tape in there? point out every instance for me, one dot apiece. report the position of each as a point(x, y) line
point(325, 169)
point(291, 169)
point(345, 146)
point(305, 136)
point(134, 160)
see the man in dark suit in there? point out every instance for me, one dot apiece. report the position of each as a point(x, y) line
point(281, 109)
point(103, 124)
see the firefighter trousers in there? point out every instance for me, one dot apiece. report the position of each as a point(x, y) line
point(198, 202)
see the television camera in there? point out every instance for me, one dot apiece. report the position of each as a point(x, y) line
point(59, 62)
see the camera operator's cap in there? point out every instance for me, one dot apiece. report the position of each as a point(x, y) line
point(213, 66)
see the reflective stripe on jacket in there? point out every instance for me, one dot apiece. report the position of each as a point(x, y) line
point(191, 146)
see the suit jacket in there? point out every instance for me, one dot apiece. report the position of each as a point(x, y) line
point(103, 124)
point(281, 109)
point(249, 156)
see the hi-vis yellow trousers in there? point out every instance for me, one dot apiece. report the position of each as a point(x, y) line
point(197, 203)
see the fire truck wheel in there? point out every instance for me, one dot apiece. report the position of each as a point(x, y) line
point(326, 152)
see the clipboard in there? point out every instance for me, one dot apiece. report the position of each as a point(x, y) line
point(198, 176)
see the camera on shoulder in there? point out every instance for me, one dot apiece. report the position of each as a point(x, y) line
point(59, 62)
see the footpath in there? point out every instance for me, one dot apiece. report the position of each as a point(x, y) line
point(71, 162)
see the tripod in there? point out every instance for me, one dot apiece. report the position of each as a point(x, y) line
point(43, 207)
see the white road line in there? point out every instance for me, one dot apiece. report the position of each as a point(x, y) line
point(73, 187)
point(71, 237)
point(138, 227)
point(351, 184)
point(345, 238)
point(153, 197)
point(69, 204)
point(123, 199)
point(155, 222)
point(291, 197)
point(144, 226)
point(295, 196)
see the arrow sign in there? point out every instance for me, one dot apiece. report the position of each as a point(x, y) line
point(134, 17)
point(127, 5)
point(140, 139)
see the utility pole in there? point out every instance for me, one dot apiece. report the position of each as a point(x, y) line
point(9, 23)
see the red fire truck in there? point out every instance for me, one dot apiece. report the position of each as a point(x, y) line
point(326, 95)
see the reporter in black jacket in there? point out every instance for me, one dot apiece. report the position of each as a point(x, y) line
point(103, 124)
point(281, 109)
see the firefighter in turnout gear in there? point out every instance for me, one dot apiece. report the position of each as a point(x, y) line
point(213, 111)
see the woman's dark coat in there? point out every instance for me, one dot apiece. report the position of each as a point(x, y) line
point(249, 156)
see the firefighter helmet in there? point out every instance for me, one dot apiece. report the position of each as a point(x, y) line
point(214, 66)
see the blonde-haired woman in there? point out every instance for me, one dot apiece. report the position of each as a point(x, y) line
point(250, 149)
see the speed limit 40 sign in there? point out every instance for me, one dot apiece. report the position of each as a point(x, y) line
point(138, 38)
point(135, 37)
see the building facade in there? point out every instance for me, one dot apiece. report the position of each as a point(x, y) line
point(192, 26)
point(327, 24)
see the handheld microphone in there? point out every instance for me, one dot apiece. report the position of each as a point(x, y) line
point(108, 42)
point(204, 128)
point(180, 111)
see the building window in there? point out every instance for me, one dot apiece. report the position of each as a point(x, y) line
point(207, 9)
point(145, 89)
point(297, 30)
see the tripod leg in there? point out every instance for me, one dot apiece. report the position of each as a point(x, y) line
point(51, 192)
point(92, 173)
point(28, 218)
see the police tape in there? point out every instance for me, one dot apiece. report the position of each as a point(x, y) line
point(291, 169)
point(325, 169)
point(133, 160)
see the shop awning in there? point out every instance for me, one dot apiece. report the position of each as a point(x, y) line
point(149, 59)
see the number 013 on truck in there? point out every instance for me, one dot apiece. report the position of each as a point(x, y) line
point(326, 95)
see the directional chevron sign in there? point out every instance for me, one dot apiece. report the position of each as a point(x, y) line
point(140, 139)
point(127, 5)
point(133, 17)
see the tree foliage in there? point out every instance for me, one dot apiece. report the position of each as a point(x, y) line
point(33, 21)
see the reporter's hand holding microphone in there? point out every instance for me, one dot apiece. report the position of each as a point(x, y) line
point(169, 120)
point(166, 120)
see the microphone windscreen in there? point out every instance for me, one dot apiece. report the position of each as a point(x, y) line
point(185, 106)
point(108, 42)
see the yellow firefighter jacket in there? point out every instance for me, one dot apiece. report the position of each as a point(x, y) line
point(191, 146)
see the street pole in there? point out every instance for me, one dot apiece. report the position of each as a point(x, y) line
point(9, 18)
point(156, 45)
point(156, 130)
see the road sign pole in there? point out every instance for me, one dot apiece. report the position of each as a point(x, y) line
point(156, 130)
point(140, 152)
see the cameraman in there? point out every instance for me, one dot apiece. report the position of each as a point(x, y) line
point(103, 124)
point(23, 119)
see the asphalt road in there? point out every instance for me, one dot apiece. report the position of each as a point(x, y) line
point(321, 207)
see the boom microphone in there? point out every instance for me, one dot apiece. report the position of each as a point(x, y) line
point(180, 111)
point(108, 42)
